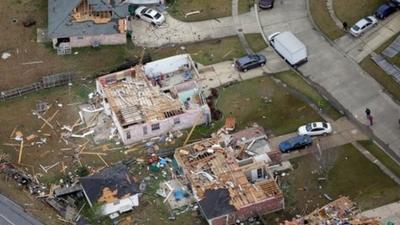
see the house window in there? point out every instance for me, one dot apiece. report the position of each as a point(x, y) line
point(155, 126)
point(177, 120)
point(128, 135)
point(145, 130)
point(259, 173)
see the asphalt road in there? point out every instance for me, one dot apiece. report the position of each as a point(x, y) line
point(13, 214)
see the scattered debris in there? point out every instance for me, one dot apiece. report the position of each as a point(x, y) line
point(340, 211)
point(5, 55)
point(192, 13)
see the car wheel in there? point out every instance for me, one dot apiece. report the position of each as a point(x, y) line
point(152, 23)
point(324, 134)
point(262, 64)
point(245, 70)
point(137, 16)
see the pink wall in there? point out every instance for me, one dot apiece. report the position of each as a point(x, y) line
point(187, 120)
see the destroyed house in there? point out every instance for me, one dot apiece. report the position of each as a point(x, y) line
point(78, 23)
point(152, 100)
point(113, 188)
point(226, 188)
point(252, 142)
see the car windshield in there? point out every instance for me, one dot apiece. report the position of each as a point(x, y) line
point(325, 125)
point(356, 28)
point(158, 15)
point(368, 20)
point(308, 127)
point(143, 11)
point(255, 57)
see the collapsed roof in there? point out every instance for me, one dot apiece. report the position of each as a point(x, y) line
point(222, 183)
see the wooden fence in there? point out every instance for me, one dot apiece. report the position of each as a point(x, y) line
point(46, 82)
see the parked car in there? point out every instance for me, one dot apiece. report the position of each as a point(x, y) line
point(289, 47)
point(363, 25)
point(248, 62)
point(396, 2)
point(294, 143)
point(150, 15)
point(315, 128)
point(266, 4)
point(385, 10)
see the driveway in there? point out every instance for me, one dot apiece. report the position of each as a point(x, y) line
point(13, 214)
point(344, 132)
point(359, 48)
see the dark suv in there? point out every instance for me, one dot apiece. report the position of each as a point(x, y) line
point(250, 62)
point(385, 10)
point(266, 4)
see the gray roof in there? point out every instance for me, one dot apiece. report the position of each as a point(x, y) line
point(59, 18)
point(115, 178)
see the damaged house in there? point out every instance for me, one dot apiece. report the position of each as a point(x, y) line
point(228, 184)
point(154, 99)
point(113, 189)
point(78, 23)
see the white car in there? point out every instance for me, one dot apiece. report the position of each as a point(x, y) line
point(363, 25)
point(315, 128)
point(150, 15)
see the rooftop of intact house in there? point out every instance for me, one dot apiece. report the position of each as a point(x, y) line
point(67, 18)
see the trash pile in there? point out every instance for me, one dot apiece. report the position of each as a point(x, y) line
point(340, 212)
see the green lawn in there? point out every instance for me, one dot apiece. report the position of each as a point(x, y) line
point(293, 80)
point(323, 20)
point(381, 156)
point(389, 84)
point(212, 51)
point(342, 171)
point(208, 9)
point(351, 11)
point(378, 74)
point(245, 100)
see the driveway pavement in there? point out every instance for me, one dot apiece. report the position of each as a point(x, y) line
point(344, 132)
point(359, 48)
point(13, 214)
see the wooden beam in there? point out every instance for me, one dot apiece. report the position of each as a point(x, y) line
point(102, 159)
point(49, 119)
point(21, 148)
point(93, 153)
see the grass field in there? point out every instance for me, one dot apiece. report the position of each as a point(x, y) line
point(293, 80)
point(323, 20)
point(208, 9)
point(246, 101)
point(389, 84)
point(212, 51)
point(351, 11)
point(381, 156)
point(342, 171)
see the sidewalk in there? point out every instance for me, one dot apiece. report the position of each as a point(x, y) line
point(387, 213)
